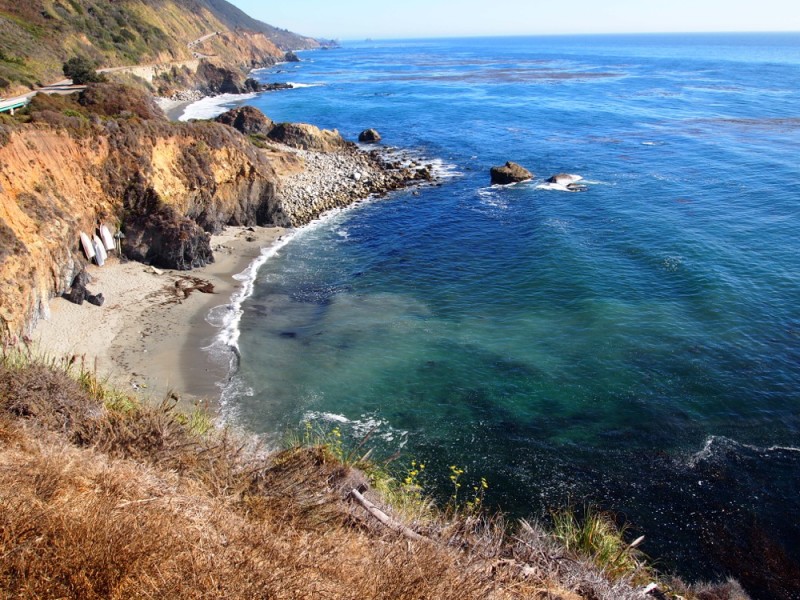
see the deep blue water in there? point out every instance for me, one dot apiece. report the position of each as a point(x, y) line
point(636, 345)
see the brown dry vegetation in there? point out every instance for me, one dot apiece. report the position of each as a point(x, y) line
point(101, 497)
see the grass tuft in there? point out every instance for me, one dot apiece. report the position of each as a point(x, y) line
point(595, 535)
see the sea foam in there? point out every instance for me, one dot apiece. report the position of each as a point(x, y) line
point(211, 106)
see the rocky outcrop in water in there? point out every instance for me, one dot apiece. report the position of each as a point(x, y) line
point(369, 136)
point(511, 172)
point(564, 178)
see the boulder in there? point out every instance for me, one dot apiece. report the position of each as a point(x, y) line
point(564, 178)
point(96, 299)
point(511, 172)
point(291, 57)
point(247, 120)
point(77, 293)
point(369, 136)
point(307, 137)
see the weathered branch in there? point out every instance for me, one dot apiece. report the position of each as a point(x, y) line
point(386, 519)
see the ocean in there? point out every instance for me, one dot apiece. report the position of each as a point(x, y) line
point(635, 346)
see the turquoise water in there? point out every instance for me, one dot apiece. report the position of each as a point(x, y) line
point(636, 345)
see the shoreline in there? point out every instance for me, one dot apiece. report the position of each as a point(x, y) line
point(147, 338)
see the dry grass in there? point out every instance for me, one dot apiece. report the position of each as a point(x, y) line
point(107, 499)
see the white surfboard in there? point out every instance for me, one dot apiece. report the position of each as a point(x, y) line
point(100, 252)
point(88, 249)
point(108, 239)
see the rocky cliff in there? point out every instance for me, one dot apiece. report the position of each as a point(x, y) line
point(108, 156)
point(72, 166)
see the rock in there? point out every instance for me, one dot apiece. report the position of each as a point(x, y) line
point(156, 233)
point(247, 120)
point(307, 137)
point(96, 299)
point(77, 293)
point(273, 87)
point(291, 57)
point(564, 178)
point(511, 172)
point(219, 80)
point(369, 136)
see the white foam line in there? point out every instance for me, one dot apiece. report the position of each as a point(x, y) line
point(706, 451)
point(227, 340)
point(211, 106)
point(304, 85)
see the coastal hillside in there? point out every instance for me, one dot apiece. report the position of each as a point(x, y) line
point(37, 37)
point(117, 499)
point(108, 155)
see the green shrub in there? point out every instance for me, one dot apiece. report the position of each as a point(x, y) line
point(82, 71)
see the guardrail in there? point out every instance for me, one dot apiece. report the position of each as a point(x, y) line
point(12, 105)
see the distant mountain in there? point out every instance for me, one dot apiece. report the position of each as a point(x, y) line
point(234, 18)
point(38, 36)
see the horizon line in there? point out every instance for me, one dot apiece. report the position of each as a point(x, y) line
point(582, 34)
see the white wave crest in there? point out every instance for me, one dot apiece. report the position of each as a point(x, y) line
point(715, 444)
point(212, 106)
point(305, 85)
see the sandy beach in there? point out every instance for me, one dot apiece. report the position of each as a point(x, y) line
point(149, 335)
point(174, 109)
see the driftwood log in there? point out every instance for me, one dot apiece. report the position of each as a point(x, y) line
point(376, 512)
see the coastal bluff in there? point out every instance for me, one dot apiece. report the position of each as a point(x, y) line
point(109, 156)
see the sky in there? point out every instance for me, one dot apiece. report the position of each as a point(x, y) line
point(360, 19)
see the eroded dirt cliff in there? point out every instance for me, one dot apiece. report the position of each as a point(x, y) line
point(71, 167)
point(69, 164)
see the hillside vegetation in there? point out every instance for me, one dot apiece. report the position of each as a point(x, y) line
point(37, 37)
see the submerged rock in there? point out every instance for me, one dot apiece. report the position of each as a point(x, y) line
point(511, 172)
point(369, 136)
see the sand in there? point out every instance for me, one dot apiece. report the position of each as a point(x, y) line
point(174, 109)
point(147, 337)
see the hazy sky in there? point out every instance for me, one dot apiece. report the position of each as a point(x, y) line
point(358, 19)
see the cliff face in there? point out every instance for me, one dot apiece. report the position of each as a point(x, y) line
point(108, 156)
point(167, 185)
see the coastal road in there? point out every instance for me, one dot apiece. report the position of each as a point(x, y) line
point(200, 40)
point(65, 86)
